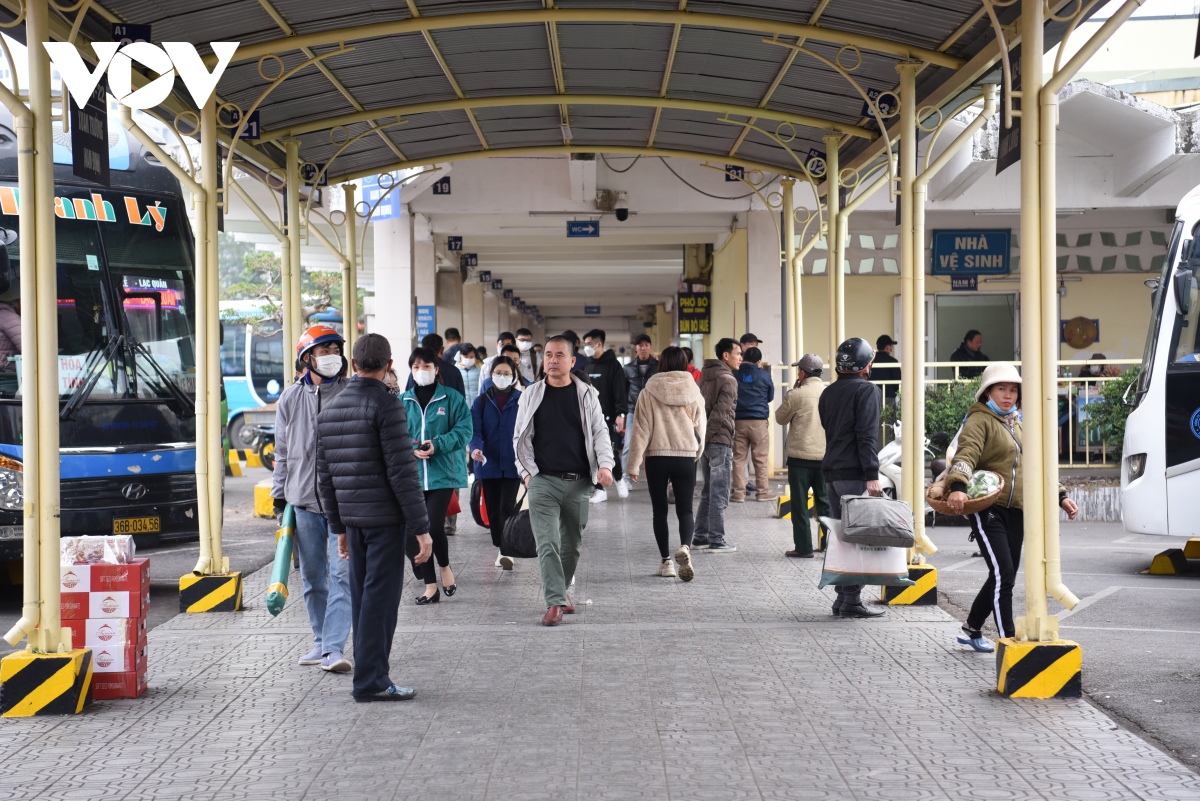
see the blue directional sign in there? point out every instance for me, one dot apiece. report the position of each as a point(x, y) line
point(591, 310)
point(971, 252)
point(425, 320)
point(582, 228)
point(454, 243)
point(389, 208)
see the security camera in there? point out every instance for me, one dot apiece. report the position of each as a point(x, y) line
point(621, 207)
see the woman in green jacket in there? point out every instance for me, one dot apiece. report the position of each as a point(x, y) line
point(990, 439)
point(439, 423)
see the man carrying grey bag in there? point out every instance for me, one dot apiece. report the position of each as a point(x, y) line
point(849, 410)
point(563, 448)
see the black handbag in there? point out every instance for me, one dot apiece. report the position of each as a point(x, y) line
point(477, 503)
point(517, 540)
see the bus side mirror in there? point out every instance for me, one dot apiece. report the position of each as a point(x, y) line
point(1184, 282)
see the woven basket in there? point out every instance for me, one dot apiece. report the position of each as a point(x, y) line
point(933, 496)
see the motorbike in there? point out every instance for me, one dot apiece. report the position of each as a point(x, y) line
point(889, 467)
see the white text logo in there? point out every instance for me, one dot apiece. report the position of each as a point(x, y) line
point(171, 58)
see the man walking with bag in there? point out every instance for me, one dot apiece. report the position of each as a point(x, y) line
point(367, 477)
point(563, 448)
point(849, 410)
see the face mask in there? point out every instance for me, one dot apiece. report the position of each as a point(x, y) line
point(991, 404)
point(524, 345)
point(1094, 369)
point(502, 381)
point(423, 378)
point(589, 351)
point(327, 366)
point(394, 390)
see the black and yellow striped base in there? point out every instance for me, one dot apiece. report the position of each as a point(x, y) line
point(1039, 669)
point(922, 593)
point(45, 684)
point(784, 510)
point(210, 593)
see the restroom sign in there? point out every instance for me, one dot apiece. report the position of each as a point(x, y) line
point(972, 252)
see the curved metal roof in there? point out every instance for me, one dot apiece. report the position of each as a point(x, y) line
point(445, 79)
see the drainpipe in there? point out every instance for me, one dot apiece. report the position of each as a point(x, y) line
point(31, 591)
point(350, 281)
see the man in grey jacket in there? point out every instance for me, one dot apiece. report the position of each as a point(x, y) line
point(325, 573)
point(563, 448)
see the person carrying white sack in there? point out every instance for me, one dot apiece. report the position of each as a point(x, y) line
point(990, 440)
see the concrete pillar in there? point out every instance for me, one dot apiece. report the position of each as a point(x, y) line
point(728, 309)
point(450, 304)
point(424, 268)
point(394, 296)
point(491, 318)
point(472, 315)
point(765, 299)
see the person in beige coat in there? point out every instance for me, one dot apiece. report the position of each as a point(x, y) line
point(669, 431)
point(805, 450)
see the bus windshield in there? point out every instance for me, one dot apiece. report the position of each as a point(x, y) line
point(125, 299)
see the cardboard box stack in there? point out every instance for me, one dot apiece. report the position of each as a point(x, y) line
point(105, 603)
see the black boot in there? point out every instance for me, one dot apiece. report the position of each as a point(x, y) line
point(858, 610)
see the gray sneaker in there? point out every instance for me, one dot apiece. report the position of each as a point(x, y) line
point(313, 657)
point(721, 547)
point(334, 662)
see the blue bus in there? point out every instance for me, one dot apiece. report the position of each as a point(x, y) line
point(126, 349)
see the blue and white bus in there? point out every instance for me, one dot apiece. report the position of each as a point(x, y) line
point(252, 366)
point(126, 349)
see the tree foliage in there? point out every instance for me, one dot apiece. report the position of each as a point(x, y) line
point(1110, 412)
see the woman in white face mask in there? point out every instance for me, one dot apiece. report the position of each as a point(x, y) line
point(494, 418)
point(468, 368)
point(439, 423)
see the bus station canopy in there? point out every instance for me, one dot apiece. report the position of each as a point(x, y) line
point(442, 80)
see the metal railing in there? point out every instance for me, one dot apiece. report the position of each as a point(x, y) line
point(1081, 444)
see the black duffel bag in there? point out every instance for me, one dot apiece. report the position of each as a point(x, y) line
point(517, 540)
point(477, 503)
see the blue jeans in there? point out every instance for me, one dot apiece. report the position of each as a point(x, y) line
point(716, 468)
point(328, 602)
point(628, 439)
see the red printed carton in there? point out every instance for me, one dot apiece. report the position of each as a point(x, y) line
point(119, 658)
point(133, 577)
point(116, 632)
point(85, 605)
point(130, 684)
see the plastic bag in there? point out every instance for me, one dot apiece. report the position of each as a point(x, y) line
point(982, 483)
point(116, 549)
point(849, 563)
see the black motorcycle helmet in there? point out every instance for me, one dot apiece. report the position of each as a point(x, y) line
point(853, 355)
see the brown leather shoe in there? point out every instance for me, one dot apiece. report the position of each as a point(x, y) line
point(553, 616)
point(569, 607)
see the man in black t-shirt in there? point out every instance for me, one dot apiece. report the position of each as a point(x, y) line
point(562, 445)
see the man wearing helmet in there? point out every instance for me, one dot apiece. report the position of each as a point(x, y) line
point(322, 375)
point(849, 410)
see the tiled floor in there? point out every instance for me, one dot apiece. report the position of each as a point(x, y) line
point(737, 685)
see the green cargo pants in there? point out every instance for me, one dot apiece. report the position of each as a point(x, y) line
point(558, 512)
point(801, 480)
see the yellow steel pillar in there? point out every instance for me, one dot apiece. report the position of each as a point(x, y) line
point(350, 273)
point(834, 248)
point(910, 439)
point(211, 350)
point(793, 285)
point(292, 313)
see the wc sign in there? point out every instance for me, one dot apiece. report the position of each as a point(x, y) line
point(116, 59)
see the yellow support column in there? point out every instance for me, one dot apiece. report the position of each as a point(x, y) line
point(910, 445)
point(211, 352)
point(833, 247)
point(350, 280)
point(789, 256)
point(290, 273)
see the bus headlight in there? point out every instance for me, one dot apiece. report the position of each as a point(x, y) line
point(1137, 466)
point(12, 485)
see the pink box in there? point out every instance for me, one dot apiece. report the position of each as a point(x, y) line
point(85, 605)
point(106, 686)
point(133, 577)
point(116, 632)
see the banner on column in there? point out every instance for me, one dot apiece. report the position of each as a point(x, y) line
point(426, 322)
point(694, 315)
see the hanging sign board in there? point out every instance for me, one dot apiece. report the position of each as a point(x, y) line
point(454, 243)
point(582, 228)
point(89, 137)
point(485, 276)
point(591, 311)
point(977, 252)
point(389, 208)
point(498, 284)
point(1008, 151)
point(694, 315)
point(468, 260)
point(964, 283)
point(734, 172)
point(442, 186)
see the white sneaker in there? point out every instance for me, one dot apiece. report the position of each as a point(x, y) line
point(623, 488)
point(684, 557)
point(667, 568)
point(599, 496)
point(498, 558)
point(507, 562)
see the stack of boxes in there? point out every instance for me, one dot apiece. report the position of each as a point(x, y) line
point(105, 607)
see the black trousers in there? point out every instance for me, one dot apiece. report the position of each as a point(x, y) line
point(376, 579)
point(1000, 532)
point(680, 472)
point(500, 498)
point(847, 594)
point(618, 444)
point(436, 503)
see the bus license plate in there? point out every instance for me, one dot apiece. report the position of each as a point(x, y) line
point(136, 525)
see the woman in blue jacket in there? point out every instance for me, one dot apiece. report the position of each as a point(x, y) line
point(494, 415)
point(439, 423)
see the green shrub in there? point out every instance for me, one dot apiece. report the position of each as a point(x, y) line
point(945, 407)
point(1110, 412)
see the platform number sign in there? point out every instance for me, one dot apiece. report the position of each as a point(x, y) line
point(694, 317)
point(128, 34)
point(498, 285)
point(485, 276)
point(814, 162)
point(253, 129)
point(442, 186)
point(468, 260)
point(734, 172)
point(887, 106)
point(453, 243)
point(310, 171)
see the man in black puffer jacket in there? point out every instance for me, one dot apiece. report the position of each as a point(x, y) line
point(367, 475)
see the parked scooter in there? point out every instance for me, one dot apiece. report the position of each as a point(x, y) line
point(889, 467)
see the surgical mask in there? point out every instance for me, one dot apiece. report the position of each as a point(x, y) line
point(991, 404)
point(502, 381)
point(589, 351)
point(327, 366)
point(394, 390)
point(524, 345)
point(1094, 369)
point(423, 378)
